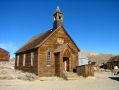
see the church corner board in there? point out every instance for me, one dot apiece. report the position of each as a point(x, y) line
point(49, 54)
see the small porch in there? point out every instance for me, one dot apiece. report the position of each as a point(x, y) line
point(63, 60)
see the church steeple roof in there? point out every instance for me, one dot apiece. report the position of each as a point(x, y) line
point(58, 18)
point(57, 10)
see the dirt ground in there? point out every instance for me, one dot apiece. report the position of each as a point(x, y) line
point(101, 81)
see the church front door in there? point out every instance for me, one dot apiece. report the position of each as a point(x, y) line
point(66, 63)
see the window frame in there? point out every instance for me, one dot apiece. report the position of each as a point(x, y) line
point(24, 59)
point(48, 58)
point(17, 60)
point(32, 58)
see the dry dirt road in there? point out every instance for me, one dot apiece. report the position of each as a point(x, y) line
point(100, 82)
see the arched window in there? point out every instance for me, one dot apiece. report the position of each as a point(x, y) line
point(48, 57)
point(24, 59)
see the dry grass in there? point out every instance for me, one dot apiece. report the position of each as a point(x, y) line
point(7, 72)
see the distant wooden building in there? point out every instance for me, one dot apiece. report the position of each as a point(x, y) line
point(4, 55)
point(50, 53)
point(94, 64)
point(85, 70)
point(113, 61)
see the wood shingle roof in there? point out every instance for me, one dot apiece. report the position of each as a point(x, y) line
point(33, 42)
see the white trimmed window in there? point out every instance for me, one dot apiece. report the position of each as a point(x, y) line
point(24, 59)
point(17, 60)
point(48, 57)
point(32, 58)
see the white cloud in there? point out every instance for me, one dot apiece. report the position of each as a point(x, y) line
point(10, 47)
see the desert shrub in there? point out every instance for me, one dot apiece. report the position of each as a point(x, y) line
point(26, 76)
point(31, 77)
point(8, 72)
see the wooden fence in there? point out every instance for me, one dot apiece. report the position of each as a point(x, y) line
point(85, 70)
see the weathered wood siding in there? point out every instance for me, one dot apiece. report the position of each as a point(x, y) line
point(85, 70)
point(113, 61)
point(28, 67)
point(40, 64)
point(110, 65)
point(4, 56)
point(52, 44)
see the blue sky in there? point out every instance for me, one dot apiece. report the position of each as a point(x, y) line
point(93, 24)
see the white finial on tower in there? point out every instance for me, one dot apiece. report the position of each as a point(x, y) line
point(57, 8)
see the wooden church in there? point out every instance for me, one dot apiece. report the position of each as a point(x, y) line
point(50, 53)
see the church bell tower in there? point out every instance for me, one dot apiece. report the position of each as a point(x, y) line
point(58, 18)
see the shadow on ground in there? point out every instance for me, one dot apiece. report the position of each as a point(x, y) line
point(114, 78)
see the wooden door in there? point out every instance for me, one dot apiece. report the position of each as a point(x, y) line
point(57, 64)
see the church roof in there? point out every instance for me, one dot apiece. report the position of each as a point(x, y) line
point(33, 42)
point(36, 41)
